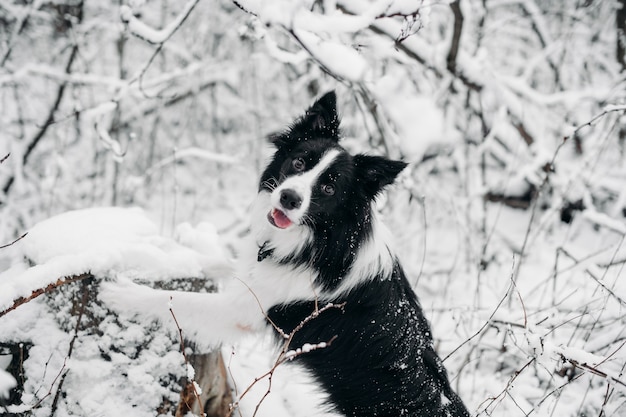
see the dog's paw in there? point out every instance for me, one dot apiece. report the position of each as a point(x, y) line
point(126, 298)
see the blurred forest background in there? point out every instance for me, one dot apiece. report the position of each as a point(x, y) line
point(510, 219)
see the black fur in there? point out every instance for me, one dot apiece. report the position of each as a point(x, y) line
point(381, 361)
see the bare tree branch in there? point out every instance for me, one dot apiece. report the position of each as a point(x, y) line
point(150, 35)
point(55, 106)
point(456, 36)
point(620, 20)
point(21, 24)
point(49, 288)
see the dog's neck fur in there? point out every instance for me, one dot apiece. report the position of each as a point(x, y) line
point(372, 259)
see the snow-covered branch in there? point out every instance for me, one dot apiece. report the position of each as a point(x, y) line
point(148, 33)
point(40, 291)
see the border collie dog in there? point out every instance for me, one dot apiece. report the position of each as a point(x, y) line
point(317, 240)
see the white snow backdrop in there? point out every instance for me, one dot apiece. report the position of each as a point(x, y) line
point(510, 219)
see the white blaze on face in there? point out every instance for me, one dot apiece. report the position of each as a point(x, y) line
point(302, 185)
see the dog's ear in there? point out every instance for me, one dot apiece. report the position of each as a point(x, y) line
point(321, 118)
point(319, 121)
point(376, 172)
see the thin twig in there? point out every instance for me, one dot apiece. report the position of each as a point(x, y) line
point(192, 381)
point(56, 378)
point(521, 300)
point(607, 109)
point(269, 320)
point(15, 241)
point(287, 355)
point(232, 377)
point(554, 391)
point(165, 35)
point(83, 304)
point(487, 322)
point(62, 374)
point(508, 385)
point(596, 279)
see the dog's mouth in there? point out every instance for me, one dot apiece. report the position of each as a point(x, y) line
point(279, 219)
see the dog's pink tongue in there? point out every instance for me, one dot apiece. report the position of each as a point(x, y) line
point(280, 219)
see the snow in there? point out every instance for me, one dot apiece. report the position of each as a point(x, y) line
point(146, 32)
point(604, 220)
point(340, 59)
point(614, 107)
point(334, 23)
point(581, 356)
point(418, 120)
point(7, 382)
point(298, 393)
point(191, 373)
point(106, 242)
point(189, 149)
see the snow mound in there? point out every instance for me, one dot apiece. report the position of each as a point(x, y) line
point(107, 242)
point(419, 122)
point(138, 363)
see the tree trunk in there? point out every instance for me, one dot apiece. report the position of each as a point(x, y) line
point(212, 378)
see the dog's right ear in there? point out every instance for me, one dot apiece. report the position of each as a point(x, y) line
point(321, 118)
point(320, 121)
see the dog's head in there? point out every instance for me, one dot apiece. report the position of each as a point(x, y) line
point(320, 192)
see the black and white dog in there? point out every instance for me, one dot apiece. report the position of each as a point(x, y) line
point(317, 240)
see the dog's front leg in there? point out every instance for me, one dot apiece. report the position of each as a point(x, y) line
point(206, 318)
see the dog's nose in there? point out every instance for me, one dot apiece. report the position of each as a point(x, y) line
point(289, 199)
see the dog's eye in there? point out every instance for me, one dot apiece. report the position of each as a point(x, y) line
point(328, 189)
point(298, 164)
